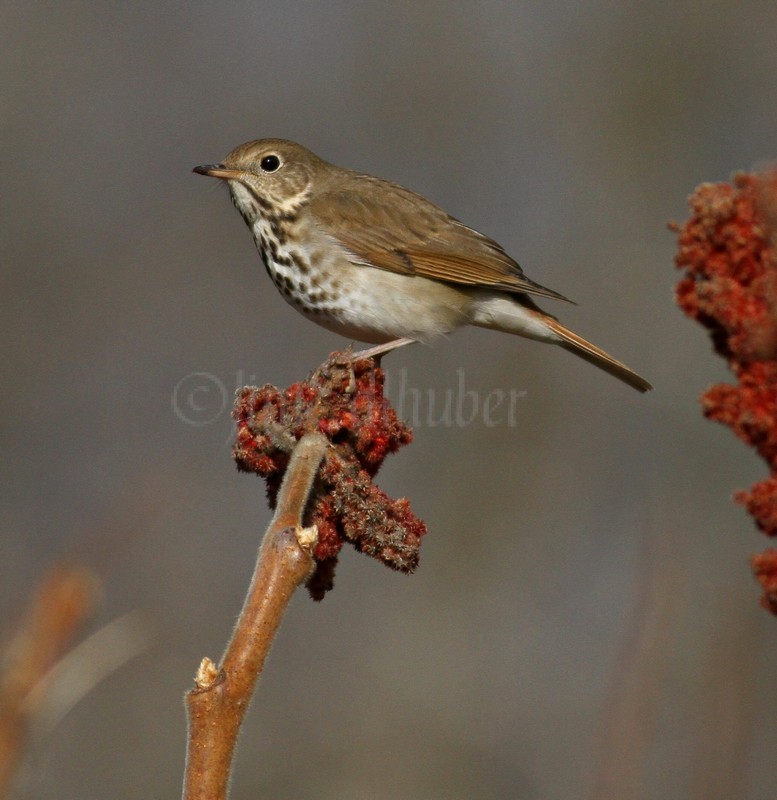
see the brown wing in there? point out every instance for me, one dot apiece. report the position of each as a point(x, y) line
point(386, 226)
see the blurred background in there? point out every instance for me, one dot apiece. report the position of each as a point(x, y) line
point(583, 622)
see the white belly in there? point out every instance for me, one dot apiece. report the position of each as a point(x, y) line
point(377, 306)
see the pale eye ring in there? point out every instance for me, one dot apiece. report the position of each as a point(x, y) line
point(270, 163)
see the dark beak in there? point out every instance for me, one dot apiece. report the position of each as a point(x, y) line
point(219, 171)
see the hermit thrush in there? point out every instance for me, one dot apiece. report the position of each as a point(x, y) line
point(375, 262)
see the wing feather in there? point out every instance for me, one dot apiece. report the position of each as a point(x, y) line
point(388, 227)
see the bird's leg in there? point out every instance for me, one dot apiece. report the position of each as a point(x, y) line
point(377, 352)
point(381, 349)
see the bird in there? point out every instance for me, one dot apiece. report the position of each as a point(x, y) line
point(375, 262)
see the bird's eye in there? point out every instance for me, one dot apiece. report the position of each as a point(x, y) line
point(270, 163)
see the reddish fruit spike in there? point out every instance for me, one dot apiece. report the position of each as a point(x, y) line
point(345, 401)
point(765, 569)
point(729, 251)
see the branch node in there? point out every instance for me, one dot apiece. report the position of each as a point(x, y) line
point(208, 675)
point(307, 538)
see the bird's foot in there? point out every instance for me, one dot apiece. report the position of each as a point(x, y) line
point(377, 352)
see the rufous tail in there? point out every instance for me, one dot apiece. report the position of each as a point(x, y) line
point(591, 353)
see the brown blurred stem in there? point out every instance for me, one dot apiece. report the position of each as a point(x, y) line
point(61, 604)
point(221, 695)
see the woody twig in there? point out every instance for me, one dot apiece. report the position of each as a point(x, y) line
point(318, 444)
point(221, 695)
point(61, 604)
